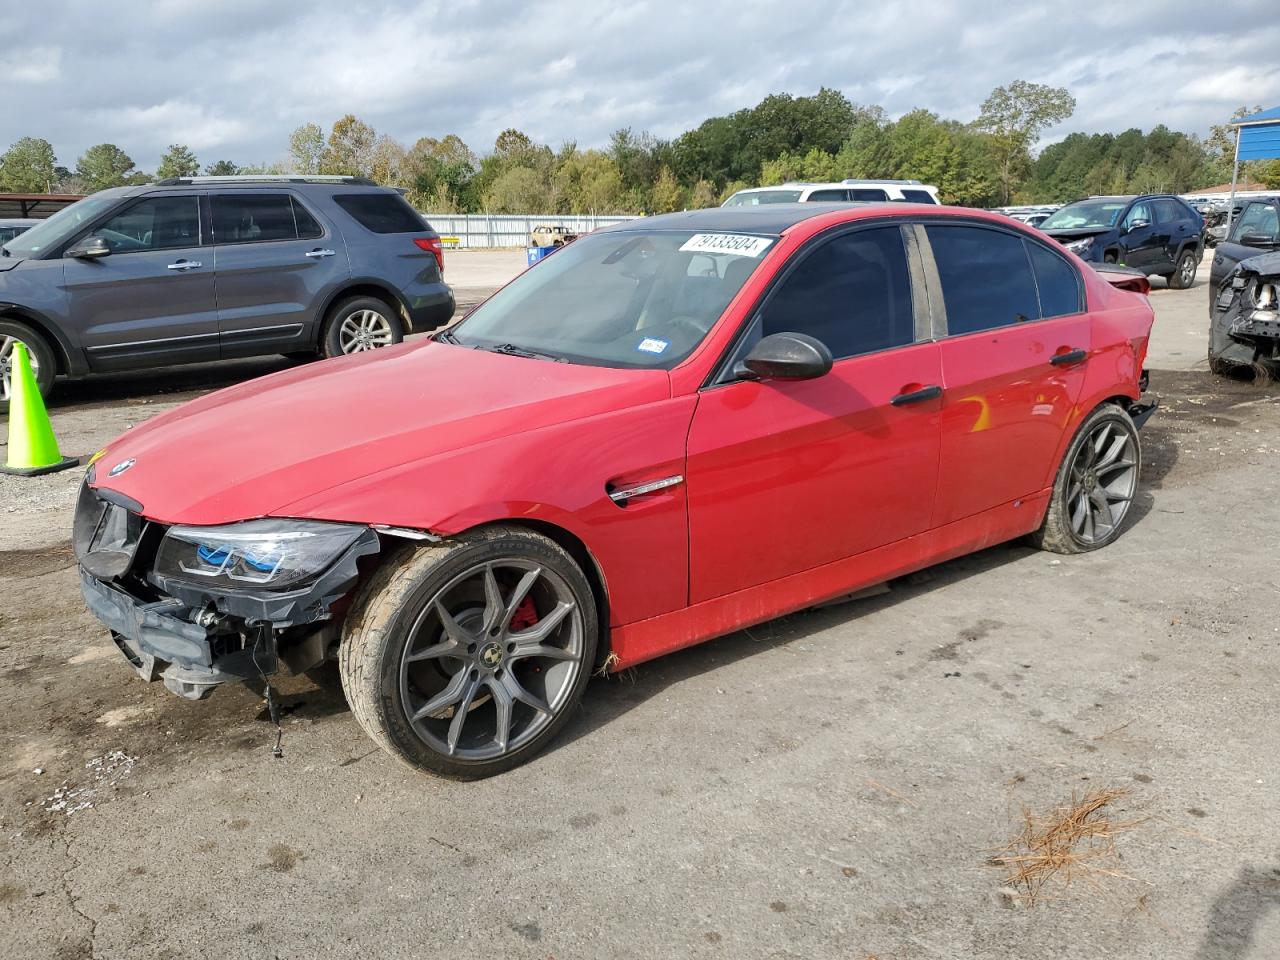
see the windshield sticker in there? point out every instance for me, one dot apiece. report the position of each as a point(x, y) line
point(736, 244)
point(653, 345)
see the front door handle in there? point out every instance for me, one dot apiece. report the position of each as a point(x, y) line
point(916, 396)
point(319, 254)
point(185, 265)
point(1071, 356)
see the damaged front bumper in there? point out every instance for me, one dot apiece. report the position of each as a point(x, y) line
point(190, 637)
point(1244, 317)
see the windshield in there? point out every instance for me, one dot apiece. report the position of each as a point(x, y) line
point(51, 232)
point(617, 299)
point(744, 198)
point(1086, 215)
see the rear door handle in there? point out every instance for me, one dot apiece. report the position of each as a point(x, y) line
point(1071, 356)
point(916, 396)
point(185, 265)
point(319, 254)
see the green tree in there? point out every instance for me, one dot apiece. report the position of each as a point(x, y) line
point(703, 195)
point(667, 195)
point(349, 150)
point(306, 148)
point(106, 165)
point(178, 161)
point(221, 168)
point(28, 166)
point(387, 162)
point(518, 190)
point(1014, 117)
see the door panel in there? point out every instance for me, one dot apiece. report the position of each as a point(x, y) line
point(785, 476)
point(1006, 406)
point(1142, 247)
point(270, 284)
point(152, 300)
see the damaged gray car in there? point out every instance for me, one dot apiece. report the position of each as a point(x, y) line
point(1244, 318)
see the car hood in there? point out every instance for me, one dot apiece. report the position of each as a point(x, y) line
point(1066, 235)
point(8, 263)
point(252, 449)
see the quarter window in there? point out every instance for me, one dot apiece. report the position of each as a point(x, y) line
point(251, 218)
point(382, 212)
point(986, 277)
point(156, 223)
point(1057, 282)
point(853, 293)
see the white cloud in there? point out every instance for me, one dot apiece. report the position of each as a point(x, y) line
point(33, 65)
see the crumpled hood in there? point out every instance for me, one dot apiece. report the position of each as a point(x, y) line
point(252, 449)
point(1067, 235)
point(1264, 264)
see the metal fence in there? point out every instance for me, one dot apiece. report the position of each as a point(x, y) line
point(479, 230)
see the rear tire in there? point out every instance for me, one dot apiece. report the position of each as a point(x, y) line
point(1184, 274)
point(442, 660)
point(43, 361)
point(360, 324)
point(1095, 486)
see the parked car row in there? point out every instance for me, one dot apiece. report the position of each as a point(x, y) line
point(206, 268)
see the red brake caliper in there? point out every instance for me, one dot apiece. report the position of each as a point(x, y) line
point(526, 616)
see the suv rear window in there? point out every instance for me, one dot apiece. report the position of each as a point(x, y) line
point(382, 212)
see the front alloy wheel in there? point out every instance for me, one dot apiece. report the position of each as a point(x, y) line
point(466, 657)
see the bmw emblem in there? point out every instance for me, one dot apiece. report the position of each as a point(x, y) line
point(121, 467)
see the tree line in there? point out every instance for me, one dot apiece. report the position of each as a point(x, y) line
point(987, 162)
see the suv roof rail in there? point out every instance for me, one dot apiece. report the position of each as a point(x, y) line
point(266, 178)
point(860, 180)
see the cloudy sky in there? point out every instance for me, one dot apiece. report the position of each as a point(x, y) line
point(233, 77)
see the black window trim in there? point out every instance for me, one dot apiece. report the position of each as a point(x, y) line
point(721, 372)
point(942, 330)
point(60, 252)
point(293, 201)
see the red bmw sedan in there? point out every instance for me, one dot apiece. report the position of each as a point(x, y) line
point(666, 431)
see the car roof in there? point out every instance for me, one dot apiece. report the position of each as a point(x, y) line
point(240, 185)
point(766, 218)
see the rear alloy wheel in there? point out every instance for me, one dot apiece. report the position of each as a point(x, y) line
point(43, 363)
point(467, 657)
point(1095, 486)
point(1184, 274)
point(359, 325)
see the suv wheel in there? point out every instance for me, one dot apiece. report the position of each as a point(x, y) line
point(1184, 274)
point(43, 362)
point(361, 324)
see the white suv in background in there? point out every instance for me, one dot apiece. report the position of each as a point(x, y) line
point(846, 191)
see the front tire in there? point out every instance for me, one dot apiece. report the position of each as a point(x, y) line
point(360, 324)
point(1095, 486)
point(43, 363)
point(467, 657)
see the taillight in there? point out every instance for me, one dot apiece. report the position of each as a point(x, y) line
point(433, 246)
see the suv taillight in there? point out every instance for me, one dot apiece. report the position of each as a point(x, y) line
point(433, 246)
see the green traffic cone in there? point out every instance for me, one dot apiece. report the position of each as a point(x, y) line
point(33, 448)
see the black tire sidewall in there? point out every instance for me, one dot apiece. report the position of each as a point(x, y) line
point(394, 717)
point(330, 342)
point(1107, 412)
point(41, 352)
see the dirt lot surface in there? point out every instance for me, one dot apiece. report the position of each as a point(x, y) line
point(833, 784)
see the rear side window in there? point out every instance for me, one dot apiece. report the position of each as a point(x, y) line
point(252, 218)
point(986, 278)
point(852, 292)
point(1171, 211)
point(820, 195)
point(1057, 282)
point(918, 196)
point(382, 212)
point(864, 194)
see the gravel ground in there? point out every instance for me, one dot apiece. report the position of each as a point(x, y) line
point(832, 784)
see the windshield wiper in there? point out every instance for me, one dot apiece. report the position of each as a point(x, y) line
point(511, 350)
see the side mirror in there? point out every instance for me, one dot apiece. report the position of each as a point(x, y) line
point(1257, 240)
point(1136, 225)
point(785, 356)
point(90, 248)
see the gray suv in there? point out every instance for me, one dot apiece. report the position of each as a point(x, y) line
point(210, 268)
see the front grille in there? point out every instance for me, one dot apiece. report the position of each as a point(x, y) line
point(105, 534)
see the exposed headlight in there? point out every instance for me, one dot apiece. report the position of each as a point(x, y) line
point(275, 554)
point(1080, 247)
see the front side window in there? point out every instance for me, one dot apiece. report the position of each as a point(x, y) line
point(1139, 211)
point(986, 277)
point(632, 298)
point(757, 197)
point(1258, 222)
point(156, 223)
point(852, 292)
point(252, 218)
